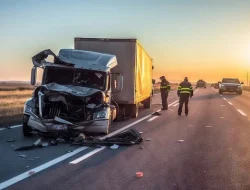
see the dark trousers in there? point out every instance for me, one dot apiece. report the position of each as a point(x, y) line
point(164, 99)
point(184, 98)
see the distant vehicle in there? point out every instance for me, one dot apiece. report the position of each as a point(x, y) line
point(230, 85)
point(201, 84)
point(216, 85)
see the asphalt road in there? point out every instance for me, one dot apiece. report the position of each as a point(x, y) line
point(214, 151)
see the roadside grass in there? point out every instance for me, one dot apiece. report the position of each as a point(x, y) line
point(12, 102)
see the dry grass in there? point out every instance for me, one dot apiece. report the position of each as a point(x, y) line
point(12, 102)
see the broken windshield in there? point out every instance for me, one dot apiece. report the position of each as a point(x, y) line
point(79, 77)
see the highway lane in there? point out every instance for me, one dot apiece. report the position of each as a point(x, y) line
point(14, 165)
point(214, 154)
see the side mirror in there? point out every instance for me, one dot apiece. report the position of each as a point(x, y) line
point(153, 81)
point(242, 83)
point(33, 76)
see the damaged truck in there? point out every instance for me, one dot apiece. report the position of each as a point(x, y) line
point(86, 90)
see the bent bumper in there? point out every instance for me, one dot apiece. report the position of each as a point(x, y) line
point(97, 126)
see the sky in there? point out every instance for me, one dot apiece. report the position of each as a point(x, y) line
point(200, 39)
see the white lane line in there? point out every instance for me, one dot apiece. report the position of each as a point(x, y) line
point(39, 168)
point(114, 133)
point(176, 105)
point(87, 155)
point(230, 103)
point(224, 99)
point(241, 112)
point(11, 127)
point(153, 118)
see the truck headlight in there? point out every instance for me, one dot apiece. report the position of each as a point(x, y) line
point(28, 109)
point(101, 115)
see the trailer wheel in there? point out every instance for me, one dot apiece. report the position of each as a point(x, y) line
point(134, 110)
point(147, 103)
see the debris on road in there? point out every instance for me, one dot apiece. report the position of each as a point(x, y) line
point(11, 140)
point(156, 113)
point(141, 132)
point(60, 140)
point(180, 141)
point(31, 172)
point(27, 166)
point(208, 126)
point(34, 145)
point(222, 117)
point(22, 156)
point(148, 140)
point(128, 137)
point(115, 146)
point(141, 147)
point(53, 143)
point(139, 174)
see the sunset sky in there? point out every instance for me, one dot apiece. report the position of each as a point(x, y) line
point(200, 39)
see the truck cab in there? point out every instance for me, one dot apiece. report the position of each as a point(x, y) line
point(75, 92)
point(201, 84)
point(230, 85)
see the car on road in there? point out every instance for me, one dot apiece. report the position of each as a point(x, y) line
point(230, 85)
point(201, 84)
point(216, 85)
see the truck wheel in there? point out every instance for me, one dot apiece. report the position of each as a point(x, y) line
point(239, 93)
point(134, 110)
point(220, 92)
point(26, 129)
point(147, 103)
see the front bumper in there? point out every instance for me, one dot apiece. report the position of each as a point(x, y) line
point(97, 126)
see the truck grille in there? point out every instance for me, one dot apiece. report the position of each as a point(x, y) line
point(54, 110)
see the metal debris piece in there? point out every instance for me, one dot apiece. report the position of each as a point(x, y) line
point(53, 143)
point(115, 146)
point(180, 141)
point(60, 140)
point(45, 144)
point(156, 113)
point(11, 140)
point(22, 156)
point(81, 137)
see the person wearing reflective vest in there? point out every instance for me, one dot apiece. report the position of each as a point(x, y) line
point(185, 91)
point(165, 88)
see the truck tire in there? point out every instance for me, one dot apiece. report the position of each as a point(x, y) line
point(147, 103)
point(134, 110)
point(27, 131)
point(239, 93)
point(220, 92)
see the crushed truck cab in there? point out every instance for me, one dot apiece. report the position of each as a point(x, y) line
point(75, 92)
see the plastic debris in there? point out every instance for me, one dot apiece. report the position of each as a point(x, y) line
point(22, 156)
point(139, 174)
point(180, 141)
point(115, 146)
point(11, 140)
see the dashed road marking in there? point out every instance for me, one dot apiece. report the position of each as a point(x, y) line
point(176, 104)
point(230, 103)
point(224, 99)
point(241, 112)
point(152, 118)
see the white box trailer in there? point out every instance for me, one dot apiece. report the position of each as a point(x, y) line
point(134, 64)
